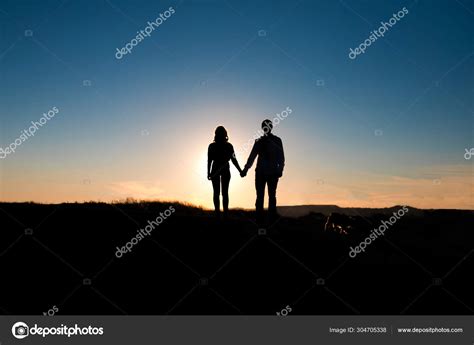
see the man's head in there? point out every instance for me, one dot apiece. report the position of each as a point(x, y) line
point(267, 126)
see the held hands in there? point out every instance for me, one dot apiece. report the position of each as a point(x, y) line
point(243, 173)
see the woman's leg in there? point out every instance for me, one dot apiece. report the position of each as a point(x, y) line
point(225, 179)
point(216, 187)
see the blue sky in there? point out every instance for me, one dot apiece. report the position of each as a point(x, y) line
point(146, 120)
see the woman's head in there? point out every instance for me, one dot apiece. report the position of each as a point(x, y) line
point(220, 135)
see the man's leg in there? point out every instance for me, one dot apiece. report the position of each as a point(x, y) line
point(260, 189)
point(272, 187)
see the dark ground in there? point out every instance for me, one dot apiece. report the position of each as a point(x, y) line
point(195, 264)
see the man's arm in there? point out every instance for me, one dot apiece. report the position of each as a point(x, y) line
point(280, 157)
point(252, 156)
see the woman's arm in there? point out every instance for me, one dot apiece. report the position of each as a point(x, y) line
point(209, 162)
point(236, 163)
point(233, 158)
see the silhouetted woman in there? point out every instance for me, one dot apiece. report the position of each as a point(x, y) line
point(218, 171)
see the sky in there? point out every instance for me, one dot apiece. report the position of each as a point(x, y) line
point(388, 127)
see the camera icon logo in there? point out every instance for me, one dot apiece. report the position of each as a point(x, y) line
point(20, 330)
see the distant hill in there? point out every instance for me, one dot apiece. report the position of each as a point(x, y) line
point(303, 210)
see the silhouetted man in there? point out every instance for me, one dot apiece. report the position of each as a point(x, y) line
point(270, 163)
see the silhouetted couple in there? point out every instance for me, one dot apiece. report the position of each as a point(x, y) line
point(270, 164)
